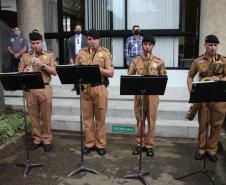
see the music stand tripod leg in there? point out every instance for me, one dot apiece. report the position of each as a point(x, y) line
point(204, 170)
point(140, 175)
point(81, 167)
point(28, 165)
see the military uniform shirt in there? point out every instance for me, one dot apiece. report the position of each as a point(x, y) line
point(147, 66)
point(100, 57)
point(207, 68)
point(46, 57)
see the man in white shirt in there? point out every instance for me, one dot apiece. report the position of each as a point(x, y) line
point(76, 42)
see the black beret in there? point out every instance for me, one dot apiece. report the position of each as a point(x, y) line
point(93, 33)
point(149, 38)
point(212, 39)
point(35, 36)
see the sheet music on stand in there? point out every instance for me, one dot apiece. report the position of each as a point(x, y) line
point(208, 91)
point(134, 84)
point(70, 74)
point(18, 80)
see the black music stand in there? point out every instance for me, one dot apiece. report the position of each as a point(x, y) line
point(82, 74)
point(142, 85)
point(24, 82)
point(206, 92)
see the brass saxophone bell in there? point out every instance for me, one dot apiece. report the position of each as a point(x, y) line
point(193, 109)
point(87, 88)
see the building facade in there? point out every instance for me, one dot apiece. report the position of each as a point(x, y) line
point(178, 25)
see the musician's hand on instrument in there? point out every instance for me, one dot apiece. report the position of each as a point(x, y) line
point(101, 69)
point(37, 61)
point(27, 69)
point(216, 78)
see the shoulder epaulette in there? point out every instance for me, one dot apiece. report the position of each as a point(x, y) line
point(200, 57)
point(136, 58)
point(105, 49)
point(48, 51)
point(157, 58)
point(84, 49)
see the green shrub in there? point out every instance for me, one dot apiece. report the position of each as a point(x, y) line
point(10, 124)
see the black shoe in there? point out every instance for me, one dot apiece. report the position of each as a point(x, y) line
point(73, 89)
point(149, 152)
point(87, 150)
point(34, 146)
point(199, 156)
point(101, 151)
point(212, 158)
point(137, 150)
point(47, 147)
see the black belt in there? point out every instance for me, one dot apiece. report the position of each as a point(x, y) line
point(46, 83)
point(94, 85)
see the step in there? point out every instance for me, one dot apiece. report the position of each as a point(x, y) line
point(164, 128)
point(116, 108)
point(171, 93)
point(66, 109)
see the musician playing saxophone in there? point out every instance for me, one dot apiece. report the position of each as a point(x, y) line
point(209, 66)
point(146, 64)
point(39, 101)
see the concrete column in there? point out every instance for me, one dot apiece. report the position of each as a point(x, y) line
point(30, 16)
point(212, 21)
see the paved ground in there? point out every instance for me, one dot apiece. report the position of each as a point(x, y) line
point(173, 158)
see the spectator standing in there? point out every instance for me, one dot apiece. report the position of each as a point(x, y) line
point(17, 46)
point(76, 42)
point(133, 46)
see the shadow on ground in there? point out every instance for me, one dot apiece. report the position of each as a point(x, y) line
point(173, 158)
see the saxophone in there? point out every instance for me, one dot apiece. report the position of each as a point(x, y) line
point(214, 69)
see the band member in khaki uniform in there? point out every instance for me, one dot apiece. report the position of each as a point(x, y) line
point(210, 66)
point(94, 96)
point(147, 64)
point(39, 101)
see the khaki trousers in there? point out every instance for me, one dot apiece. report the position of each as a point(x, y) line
point(39, 103)
point(215, 119)
point(150, 112)
point(94, 104)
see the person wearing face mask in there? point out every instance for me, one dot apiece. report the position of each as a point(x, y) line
point(76, 42)
point(133, 45)
point(212, 66)
point(94, 96)
point(17, 46)
point(39, 101)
